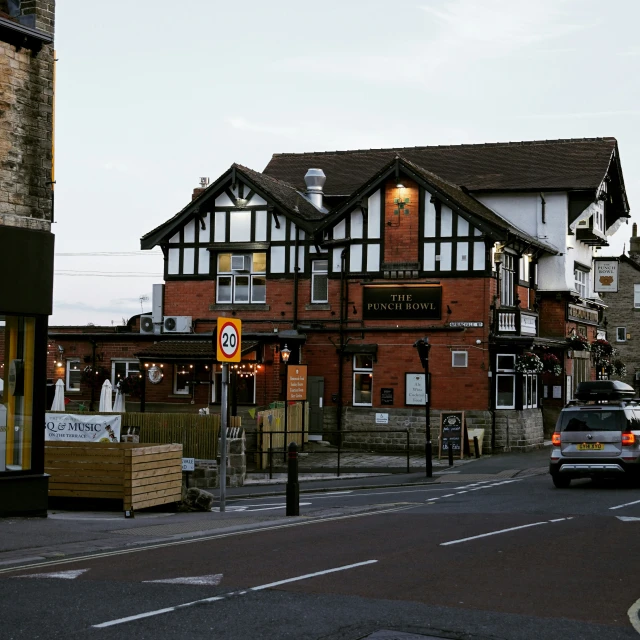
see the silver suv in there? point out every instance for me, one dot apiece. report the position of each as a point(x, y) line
point(597, 435)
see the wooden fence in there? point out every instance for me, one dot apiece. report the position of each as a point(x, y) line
point(197, 434)
point(270, 425)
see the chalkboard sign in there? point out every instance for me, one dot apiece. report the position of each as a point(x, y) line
point(386, 395)
point(453, 432)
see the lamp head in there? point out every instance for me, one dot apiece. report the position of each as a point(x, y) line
point(285, 353)
point(423, 347)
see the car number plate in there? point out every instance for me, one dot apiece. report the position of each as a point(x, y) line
point(590, 446)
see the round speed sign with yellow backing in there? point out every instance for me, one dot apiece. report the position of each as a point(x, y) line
point(229, 337)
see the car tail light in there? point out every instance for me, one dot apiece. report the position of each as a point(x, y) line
point(628, 439)
point(555, 439)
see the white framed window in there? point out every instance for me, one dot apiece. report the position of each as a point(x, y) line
point(121, 369)
point(507, 280)
point(459, 358)
point(505, 391)
point(621, 334)
point(363, 380)
point(319, 281)
point(74, 373)
point(241, 278)
point(524, 269)
point(505, 362)
point(581, 279)
point(530, 391)
point(182, 374)
point(636, 296)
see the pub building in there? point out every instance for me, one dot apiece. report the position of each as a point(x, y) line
point(348, 258)
point(26, 250)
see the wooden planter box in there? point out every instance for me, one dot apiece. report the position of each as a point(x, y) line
point(141, 475)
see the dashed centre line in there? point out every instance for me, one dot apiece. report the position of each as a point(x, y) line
point(472, 487)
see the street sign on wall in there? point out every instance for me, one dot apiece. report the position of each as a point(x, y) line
point(228, 341)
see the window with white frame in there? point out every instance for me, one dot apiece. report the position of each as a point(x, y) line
point(582, 280)
point(529, 391)
point(459, 358)
point(74, 373)
point(121, 369)
point(621, 334)
point(636, 296)
point(524, 269)
point(362, 379)
point(319, 281)
point(182, 374)
point(242, 278)
point(507, 281)
point(505, 381)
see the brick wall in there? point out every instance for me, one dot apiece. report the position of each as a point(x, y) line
point(26, 121)
point(401, 230)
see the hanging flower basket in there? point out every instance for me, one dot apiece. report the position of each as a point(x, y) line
point(94, 377)
point(131, 385)
point(529, 363)
point(551, 364)
point(602, 349)
point(579, 342)
point(619, 368)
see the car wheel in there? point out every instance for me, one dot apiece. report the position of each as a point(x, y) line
point(560, 482)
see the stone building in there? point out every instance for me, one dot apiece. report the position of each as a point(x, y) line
point(26, 247)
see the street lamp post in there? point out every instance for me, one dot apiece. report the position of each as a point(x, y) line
point(424, 347)
point(284, 354)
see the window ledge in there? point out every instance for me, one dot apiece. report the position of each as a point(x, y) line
point(179, 395)
point(239, 307)
point(317, 306)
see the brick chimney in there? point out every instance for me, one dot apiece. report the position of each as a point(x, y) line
point(204, 183)
point(634, 244)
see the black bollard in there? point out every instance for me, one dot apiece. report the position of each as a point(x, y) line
point(450, 448)
point(476, 446)
point(293, 488)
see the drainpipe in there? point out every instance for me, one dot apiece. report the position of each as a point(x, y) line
point(341, 334)
point(93, 371)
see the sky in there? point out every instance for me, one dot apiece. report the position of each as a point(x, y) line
point(151, 95)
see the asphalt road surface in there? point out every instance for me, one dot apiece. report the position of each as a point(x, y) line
point(508, 559)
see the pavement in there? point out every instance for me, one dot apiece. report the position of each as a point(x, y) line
point(80, 530)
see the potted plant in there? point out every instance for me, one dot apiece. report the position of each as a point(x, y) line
point(579, 342)
point(602, 349)
point(551, 364)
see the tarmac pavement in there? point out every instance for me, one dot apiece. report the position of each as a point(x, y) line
point(70, 533)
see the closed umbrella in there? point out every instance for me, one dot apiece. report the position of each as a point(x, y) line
point(58, 398)
point(105, 397)
point(118, 404)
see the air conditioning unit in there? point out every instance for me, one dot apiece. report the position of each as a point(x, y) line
point(239, 263)
point(177, 324)
point(146, 324)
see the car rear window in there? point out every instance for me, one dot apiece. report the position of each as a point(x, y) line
point(592, 420)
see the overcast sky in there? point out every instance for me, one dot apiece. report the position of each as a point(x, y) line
point(153, 94)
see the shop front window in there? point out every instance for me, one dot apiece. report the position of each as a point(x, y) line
point(530, 391)
point(362, 379)
point(506, 381)
point(182, 378)
point(17, 336)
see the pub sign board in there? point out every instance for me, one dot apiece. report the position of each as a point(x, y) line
point(396, 302)
point(453, 433)
point(605, 276)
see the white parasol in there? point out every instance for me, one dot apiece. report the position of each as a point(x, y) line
point(105, 397)
point(58, 398)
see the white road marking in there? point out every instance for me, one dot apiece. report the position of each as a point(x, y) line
point(270, 585)
point(459, 492)
point(634, 618)
point(449, 495)
point(495, 533)
point(627, 519)
point(61, 575)
point(338, 493)
point(213, 579)
point(218, 536)
point(626, 504)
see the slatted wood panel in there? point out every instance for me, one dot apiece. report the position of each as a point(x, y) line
point(197, 434)
point(140, 475)
point(271, 422)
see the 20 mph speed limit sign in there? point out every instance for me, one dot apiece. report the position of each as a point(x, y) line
point(229, 336)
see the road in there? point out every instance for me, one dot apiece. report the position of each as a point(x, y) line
point(499, 558)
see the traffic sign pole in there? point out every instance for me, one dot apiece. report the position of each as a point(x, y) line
point(224, 411)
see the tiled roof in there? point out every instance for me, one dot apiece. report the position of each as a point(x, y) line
point(186, 350)
point(537, 165)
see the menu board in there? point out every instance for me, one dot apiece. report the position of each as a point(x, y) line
point(386, 395)
point(414, 389)
point(453, 433)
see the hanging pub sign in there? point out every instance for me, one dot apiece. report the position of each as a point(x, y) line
point(397, 302)
point(605, 276)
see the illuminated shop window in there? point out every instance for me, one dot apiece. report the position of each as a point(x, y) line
point(362, 380)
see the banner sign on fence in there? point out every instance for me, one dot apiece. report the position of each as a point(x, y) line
point(67, 427)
